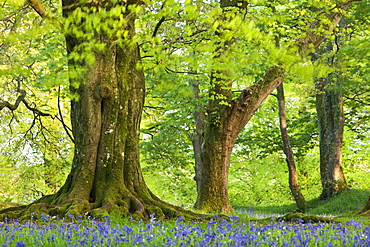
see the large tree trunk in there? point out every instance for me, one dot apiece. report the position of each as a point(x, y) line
point(293, 176)
point(109, 94)
point(329, 105)
point(105, 121)
point(224, 123)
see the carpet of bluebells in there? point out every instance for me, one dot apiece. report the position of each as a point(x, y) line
point(218, 232)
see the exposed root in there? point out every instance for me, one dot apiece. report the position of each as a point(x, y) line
point(132, 207)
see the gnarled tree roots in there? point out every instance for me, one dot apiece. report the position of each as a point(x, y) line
point(130, 207)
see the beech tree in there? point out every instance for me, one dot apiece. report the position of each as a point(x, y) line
point(225, 121)
point(107, 91)
point(235, 36)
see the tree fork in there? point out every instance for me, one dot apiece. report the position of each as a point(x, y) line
point(220, 136)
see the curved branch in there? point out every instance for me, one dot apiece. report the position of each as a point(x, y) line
point(66, 128)
point(158, 26)
point(14, 106)
point(37, 111)
point(251, 98)
point(41, 11)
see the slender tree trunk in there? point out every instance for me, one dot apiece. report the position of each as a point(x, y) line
point(329, 105)
point(293, 176)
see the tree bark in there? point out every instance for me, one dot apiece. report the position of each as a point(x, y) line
point(329, 105)
point(293, 176)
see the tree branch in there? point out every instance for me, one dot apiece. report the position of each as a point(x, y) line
point(66, 128)
point(304, 44)
point(34, 110)
point(37, 6)
point(14, 106)
point(251, 98)
point(158, 26)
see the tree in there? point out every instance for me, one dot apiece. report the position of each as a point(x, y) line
point(227, 117)
point(108, 93)
point(331, 91)
point(293, 176)
point(329, 105)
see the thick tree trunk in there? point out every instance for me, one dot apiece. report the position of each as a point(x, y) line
point(224, 123)
point(105, 177)
point(293, 176)
point(329, 105)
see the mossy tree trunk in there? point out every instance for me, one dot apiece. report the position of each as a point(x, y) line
point(329, 105)
point(223, 124)
point(105, 113)
point(105, 121)
point(293, 176)
point(225, 118)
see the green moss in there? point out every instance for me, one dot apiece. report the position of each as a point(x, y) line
point(79, 207)
point(155, 210)
point(99, 213)
point(4, 205)
point(137, 215)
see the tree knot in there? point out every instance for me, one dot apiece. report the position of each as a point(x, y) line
point(104, 91)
